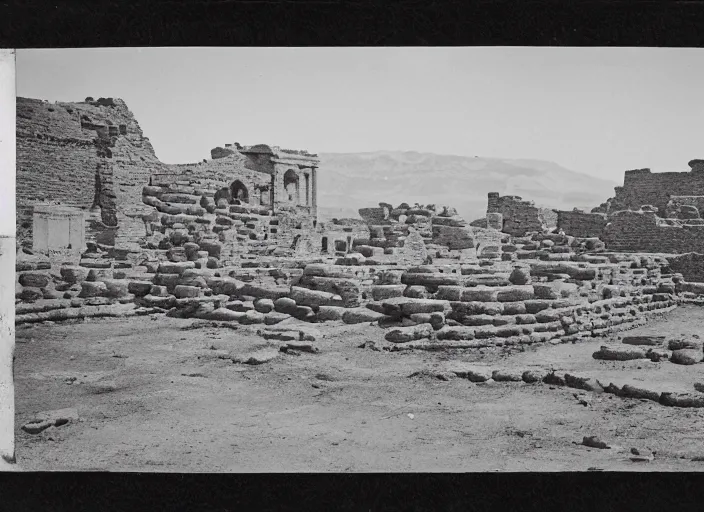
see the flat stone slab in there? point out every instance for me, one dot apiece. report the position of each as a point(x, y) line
point(258, 357)
point(616, 353)
point(651, 341)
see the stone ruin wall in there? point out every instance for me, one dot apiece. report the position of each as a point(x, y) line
point(83, 155)
point(520, 217)
point(581, 224)
point(690, 265)
point(638, 231)
point(643, 187)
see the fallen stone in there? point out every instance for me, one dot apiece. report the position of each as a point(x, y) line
point(252, 317)
point(644, 340)
point(264, 305)
point(330, 313)
point(225, 315)
point(686, 356)
point(93, 289)
point(507, 375)
point(520, 275)
point(616, 353)
point(679, 344)
point(472, 373)
point(595, 442)
point(34, 279)
point(285, 305)
point(274, 318)
point(175, 267)
point(183, 291)
point(416, 292)
point(361, 315)
point(115, 287)
point(258, 357)
point(406, 334)
point(555, 377)
point(306, 297)
point(36, 427)
point(658, 354)
point(140, 288)
point(456, 333)
point(630, 391)
point(682, 399)
point(583, 382)
point(531, 376)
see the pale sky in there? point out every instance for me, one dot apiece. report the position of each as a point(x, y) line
point(598, 111)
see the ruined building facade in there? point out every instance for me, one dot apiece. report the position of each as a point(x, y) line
point(88, 163)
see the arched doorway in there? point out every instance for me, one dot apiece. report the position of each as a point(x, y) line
point(239, 192)
point(291, 186)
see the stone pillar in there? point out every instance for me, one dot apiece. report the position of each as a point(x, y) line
point(314, 201)
point(493, 202)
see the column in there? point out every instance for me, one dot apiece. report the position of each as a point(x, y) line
point(314, 203)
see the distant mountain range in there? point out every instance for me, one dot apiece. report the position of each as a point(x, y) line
point(349, 181)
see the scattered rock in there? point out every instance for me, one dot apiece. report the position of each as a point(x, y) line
point(473, 373)
point(406, 334)
point(531, 376)
point(686, 356)
point(507, 375)
point(555, 378)
point(678, 344)
point(264, 305)
point(644, 340)
point(658, 354)
point(616, 353)
point(258, 357)
point(35, 427)
point(583, 382)
point(595, 442)
point(682, 399)
point(630, 391)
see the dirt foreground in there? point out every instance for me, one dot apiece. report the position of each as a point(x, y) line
point(153, 396)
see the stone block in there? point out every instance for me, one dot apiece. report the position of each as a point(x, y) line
point(515, 293)
point(619, 353)
point(361, 315)
point(406, 334)
point(93, 289)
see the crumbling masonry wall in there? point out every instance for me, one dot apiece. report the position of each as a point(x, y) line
point(580, 224)
point(83, 155)
point(637, 231)
point(520, 217)
point(643, 187)
point(690, 265)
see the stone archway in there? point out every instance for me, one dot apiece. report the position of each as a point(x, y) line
point(291, 186)
point(238, 192)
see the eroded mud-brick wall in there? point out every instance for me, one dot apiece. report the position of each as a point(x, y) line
point(690, 265)
point(643, 187)
point(631, 231)
point(580, 224)
point(60, 159)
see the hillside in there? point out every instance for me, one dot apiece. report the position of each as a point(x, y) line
point(349, 181)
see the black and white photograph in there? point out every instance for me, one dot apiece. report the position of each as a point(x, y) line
point(354, 260)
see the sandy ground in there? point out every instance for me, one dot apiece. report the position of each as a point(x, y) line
point(154, 397)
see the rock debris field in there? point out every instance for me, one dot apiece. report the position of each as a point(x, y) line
point(152, 393)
